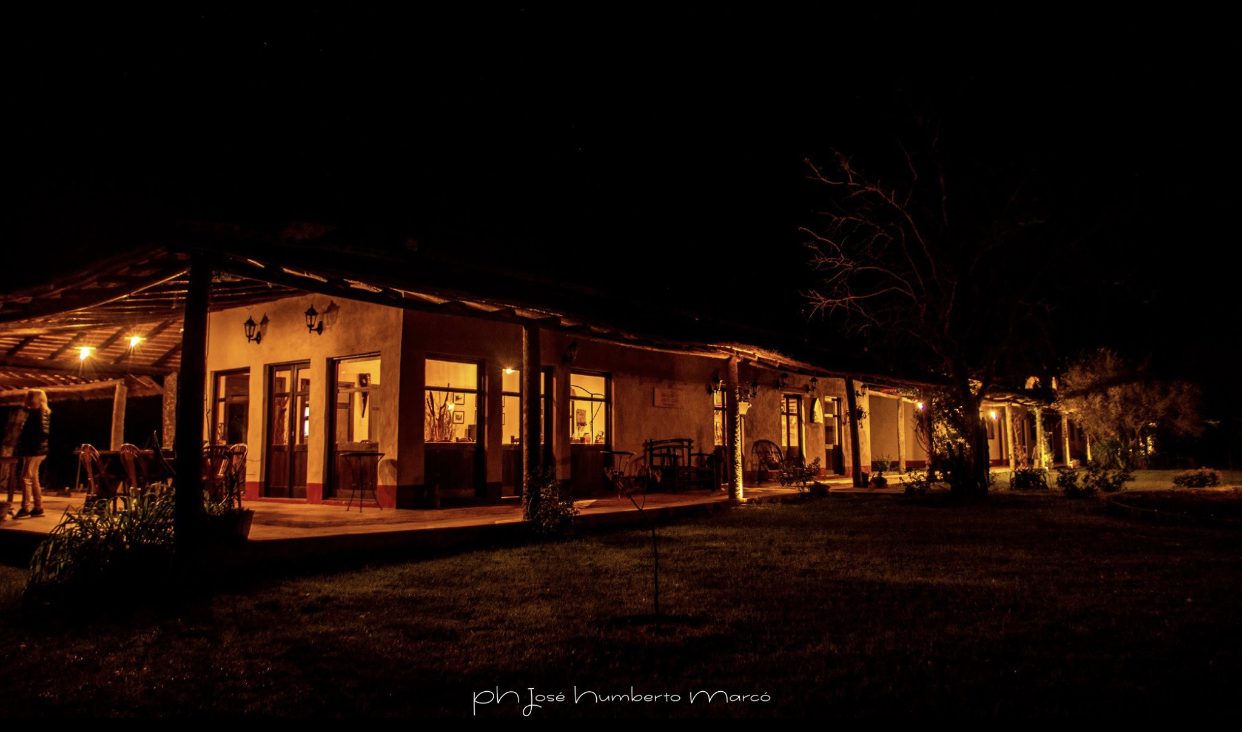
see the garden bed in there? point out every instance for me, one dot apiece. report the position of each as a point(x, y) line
point(1200, 506)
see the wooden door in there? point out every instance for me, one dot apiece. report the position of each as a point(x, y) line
point(288, 421)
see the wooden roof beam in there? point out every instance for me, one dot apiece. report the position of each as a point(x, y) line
point(20, 345)
point(67, 345)
point(168, 356)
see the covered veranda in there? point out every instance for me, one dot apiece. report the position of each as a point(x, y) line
point(135, 327)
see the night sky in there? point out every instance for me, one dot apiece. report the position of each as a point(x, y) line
point(658, 155)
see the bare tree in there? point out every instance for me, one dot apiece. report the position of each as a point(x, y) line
point(948, 279)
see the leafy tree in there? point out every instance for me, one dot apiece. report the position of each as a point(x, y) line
point(1121, 407)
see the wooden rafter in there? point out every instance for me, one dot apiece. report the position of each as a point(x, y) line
point(20, 345)
point(168, 356)
point(75, 340)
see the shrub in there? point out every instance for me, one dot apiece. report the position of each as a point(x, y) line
point(554, 510)
point(101, 546)
point(799, 475)
point(1200, 478)
point(1029, 479)
point(1107, 480)
point(1067, 481)
point(915, 483)
point(881, 464)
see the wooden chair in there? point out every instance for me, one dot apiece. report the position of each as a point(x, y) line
point(233, 474)
point(135, 477)
point(768, 458)
point(99, 487)
point(672, 458)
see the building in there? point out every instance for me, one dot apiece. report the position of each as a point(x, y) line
point(313, 349)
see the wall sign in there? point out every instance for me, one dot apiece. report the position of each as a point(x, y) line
point(668, 398)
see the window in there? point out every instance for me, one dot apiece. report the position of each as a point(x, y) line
point(791, 425)
point(511, 405)
point(718, 412)
point(231, 413)
point(452, 402)
point(589, 409)
point(832, 421)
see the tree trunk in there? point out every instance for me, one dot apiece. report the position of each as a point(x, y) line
point(976, 457)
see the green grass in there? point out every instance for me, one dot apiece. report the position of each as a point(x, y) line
point(851, 605)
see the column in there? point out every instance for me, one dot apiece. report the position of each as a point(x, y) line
point(118, 413)
point(733, 423)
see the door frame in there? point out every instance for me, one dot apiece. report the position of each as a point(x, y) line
point(292, 419)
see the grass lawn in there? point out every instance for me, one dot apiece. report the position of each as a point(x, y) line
point(850, 605)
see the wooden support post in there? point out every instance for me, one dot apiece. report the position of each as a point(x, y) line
point(188, 513)
point(1088, 448)
point(1040, 451)
point(118, 414)
point(901, 435)
point(733, 439)
point(532, 431)
point(1011, 439)
point(1065, 440)
point(169, 405)
point(931, 437)
point(851, 403)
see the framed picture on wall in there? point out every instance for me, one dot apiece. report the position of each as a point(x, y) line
point(459, 398)
point(459, 417)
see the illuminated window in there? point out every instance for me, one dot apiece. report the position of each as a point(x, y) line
point(452, 402)
point(589, 409)
point(718, 413)
point(231, 415)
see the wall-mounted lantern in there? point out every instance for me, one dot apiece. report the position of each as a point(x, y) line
point(752, 391)
point(784, 381)
point(810, 389)
point(716, 384)
point(571, 354)
point(253, 335)
point(313, 323)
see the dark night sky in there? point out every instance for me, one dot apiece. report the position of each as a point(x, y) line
point(656, 154)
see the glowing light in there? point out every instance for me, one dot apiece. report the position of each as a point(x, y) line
point(84, 353)
point(450, 407)
point(134, 341)
point(508, 371)
point(920, 405)
point(992, 415)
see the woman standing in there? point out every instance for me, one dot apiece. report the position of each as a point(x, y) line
point(32, 445)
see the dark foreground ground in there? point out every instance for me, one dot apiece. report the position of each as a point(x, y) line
point(850, 605)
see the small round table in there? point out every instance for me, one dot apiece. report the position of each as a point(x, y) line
point(359, 461)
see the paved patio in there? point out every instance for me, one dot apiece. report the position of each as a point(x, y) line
point(294, 531)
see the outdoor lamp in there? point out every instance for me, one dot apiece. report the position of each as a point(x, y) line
point(715, 384)
point(252, 331)
point(572, 354)
point(754, 389)
point(813, 386)
point(784, 380)
point(920, 406)
point(313, 323)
